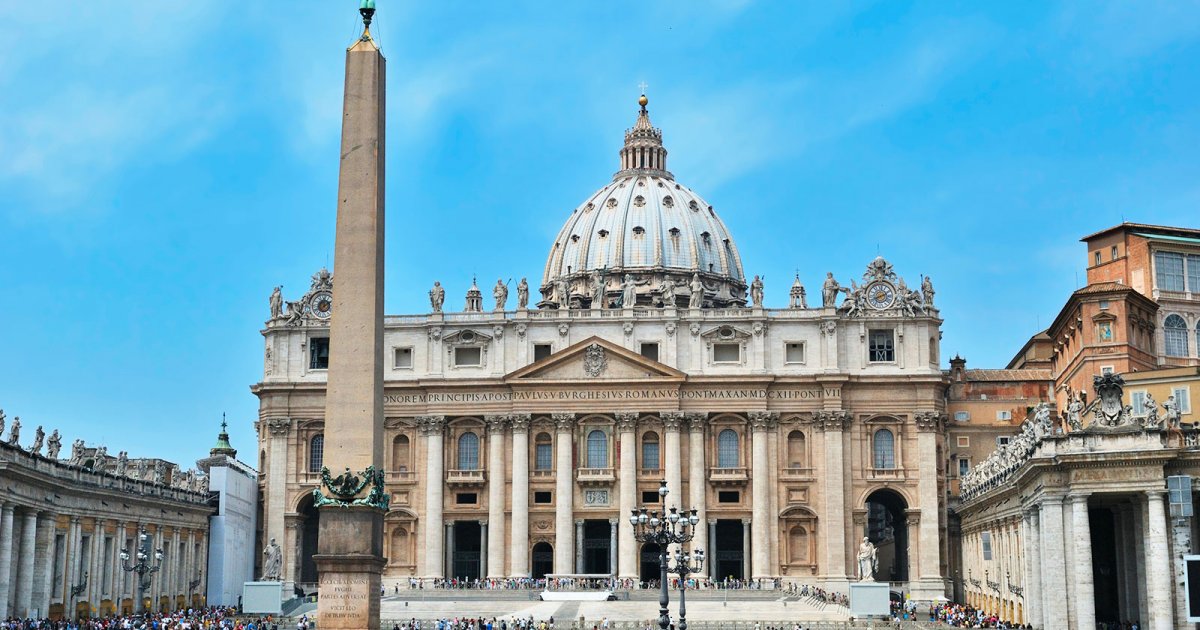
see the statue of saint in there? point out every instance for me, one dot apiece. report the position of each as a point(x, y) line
point(868, 561)
point(14, 435)
point(1, 422)
point(122, 463)
point(696, 300)
point(437, 297)
point(829, 291)
point(1075, 413)
point(756, 291)
point(1150, 408)
point(628, 292)
point(562, 294)
point(141, 469)
point(272, 562)
point(53, 445)
point(927, 292)
point(522, 295)
point(76, 453)
point(667, 290)
point(276, 303)
point(38, 437)
point(100, 459)
point(1171, 412)
point(500, 292)
point(599, 285)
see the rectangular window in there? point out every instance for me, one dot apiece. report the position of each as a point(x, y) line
point(727, 352)
point(964, 467)
point(1193, 273)
point(403, 360)
point(881, 346)
point(962, 416)
point(986, 538)
point(650, 455)
point(1097, 257)
point(794, 352)
point(1114, 252)
point(466, 498)
point(649, 350)
point(1106, 369)
point(729, 496)
point(1003, 414)
point(650, 496)
point(1003, 440)
point(542, 497)
point(468, 357)
point(964, 441)
point(541, 351)
point(1103, 304)
point(1183, 399)
point(543, 457)
point(1137, 400)
point(1168, 271)
point(318, 353)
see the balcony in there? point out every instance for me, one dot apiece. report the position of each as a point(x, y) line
point(650, 473)
point(796, 473)
point(735, 476)
point(595, 476)
point(890, 474)
point(401, 477)
point(541, 474)
point(466, 478)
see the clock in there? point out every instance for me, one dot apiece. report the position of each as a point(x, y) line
point(322, 305)
point(880, 295)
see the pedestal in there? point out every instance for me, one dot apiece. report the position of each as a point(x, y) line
point(870, 599)
point(351, 566)
point(262, 598)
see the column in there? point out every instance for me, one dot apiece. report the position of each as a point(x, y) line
point(929, 427)
point(579, 546)
point(709, 552)
point(1158, 564)
point(612, 544)
point(520, 495)
point(746, 549)
point(1085, 598)
point(485, 556)
point(25, 563)
point(1181, 545)
point(697, 480)
point(277, 431)
point(6, 549)
point(71, 569)
point(760, 423)
point(627, 549)
point(293, 533)
point(833, 564)
point(564, 491)
point(432, 428)
point(1054, 577)
point(43, 565)
point(496, 481)
point(448, 561)
point(1125, 586)
point(774, 537)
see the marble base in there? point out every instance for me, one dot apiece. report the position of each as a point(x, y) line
point(350, 566)
point(870, 599)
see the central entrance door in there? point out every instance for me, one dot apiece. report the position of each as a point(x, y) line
point(543, 560)
point(468, 548)
point(651, 565)
point(597, 545)
point(729, 549)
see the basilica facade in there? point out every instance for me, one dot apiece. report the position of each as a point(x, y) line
point(519, 439)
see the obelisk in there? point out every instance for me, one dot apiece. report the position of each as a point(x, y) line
point(350, 547)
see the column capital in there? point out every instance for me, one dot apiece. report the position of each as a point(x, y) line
point(496, 423)
point(696, 420)
point(832, 420)
point(928, 421)
point(672, 420)
point(763, 420)
point(1080, 498)
point(563, 422)
point(626, 420)
point(279, 426)
point(520, 421)
point(431, 425)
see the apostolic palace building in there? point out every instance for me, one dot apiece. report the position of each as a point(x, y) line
point(519, 439)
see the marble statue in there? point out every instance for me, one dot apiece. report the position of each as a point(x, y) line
point(38, 437)
point(1150, 407)
point(667, 291)
point(1, 422)
point(829, 291)
point(562, 294)
point(598, 287)
point(696, 299)
point(927, 292)
point(756, 291)
point(76, 453)
point(437, 297)
point(1171, 412)
point(100, 459)
point(500, 292)
point(628, 291)
point(160, 473)
point(141, 469)
point(522, 295)
point(272, 562)
point(1075, 413)
point(14, 433)
point(276, 303)
point(855, 303)
point(868, 561)
point(53, 445)
point(122, 463)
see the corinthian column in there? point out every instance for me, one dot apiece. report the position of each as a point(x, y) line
point(929, 427)
point(432, 428)
point(672, 467)
point(276, 432)
point(564, 490)
point(6, 549)
point(1054, 577)
point(834, 423)
point(627, 479)
point(697, 485)
point(1158, 564)
point(496, 521)
point(760, 423)
point(520, 495)
point(1085, 593)
point(25, 564)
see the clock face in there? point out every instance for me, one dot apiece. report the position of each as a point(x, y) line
point(322, 305)
point(880, 295)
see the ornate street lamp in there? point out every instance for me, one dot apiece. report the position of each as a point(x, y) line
point(142, 567)
point(670, 528)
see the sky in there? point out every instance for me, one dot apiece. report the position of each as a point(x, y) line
point(164, 165)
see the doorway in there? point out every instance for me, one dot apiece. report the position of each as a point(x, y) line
point(887, 529)
point(310, 529)
point(651, 564)
point(597, 544)
point(729, 560)
point(543, 560)
point(468, 550)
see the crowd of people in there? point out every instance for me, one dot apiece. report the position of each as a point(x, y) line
point(215, 618)
point(819, 594)
point(954, 615)
point(478, 623)
point(578, 583)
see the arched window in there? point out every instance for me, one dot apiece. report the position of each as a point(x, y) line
point(400, 453)
point(316, 453)
point(796, 451)
point(885, 449)
point(543, 452)
point(468, 451)
point(1175, 335)
point(727, 449)
point(650, 450)
point(597, 449)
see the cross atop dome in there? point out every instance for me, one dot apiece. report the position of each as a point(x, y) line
point(643, 151)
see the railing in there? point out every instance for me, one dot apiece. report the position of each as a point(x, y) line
point(595, 475)
point(796, 473)
point(466, 477)
point(401, 476)
point(728, 475)
point(885, 473)
point(650, 472)
point(541, 474)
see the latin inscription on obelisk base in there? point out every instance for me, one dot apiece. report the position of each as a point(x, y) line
point(352, 503)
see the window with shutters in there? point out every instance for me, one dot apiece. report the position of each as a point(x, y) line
point(1175, 336)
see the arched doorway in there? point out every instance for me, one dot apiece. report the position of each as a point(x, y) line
point(310, 528)
point(887, 529)
point(651, 564)
point(542, 560)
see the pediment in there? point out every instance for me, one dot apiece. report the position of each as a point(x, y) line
point(595, 359)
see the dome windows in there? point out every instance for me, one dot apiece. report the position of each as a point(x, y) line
point(668, 202)
point(639, 230)
point(612, 203)
point(706, 237)
point(589, 207)
point(639, 201)
point(574, 238)
point(695, 207)
point(674, 232)
point(603, 233)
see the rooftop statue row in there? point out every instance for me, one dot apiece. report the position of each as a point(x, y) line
point(98, 460)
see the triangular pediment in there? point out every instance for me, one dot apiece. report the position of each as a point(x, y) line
point(595, 359)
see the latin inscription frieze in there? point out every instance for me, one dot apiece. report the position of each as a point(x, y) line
point(566, 395)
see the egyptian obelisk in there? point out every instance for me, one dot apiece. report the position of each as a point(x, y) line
point(350, 548)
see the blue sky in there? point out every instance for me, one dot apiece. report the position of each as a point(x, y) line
point(163, 165)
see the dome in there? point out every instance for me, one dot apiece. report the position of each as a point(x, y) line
point(646, 226)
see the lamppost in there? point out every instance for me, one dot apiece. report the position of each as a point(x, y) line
point(685, 564)
point(142, 567)
point(669, 528)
